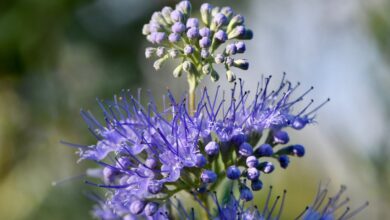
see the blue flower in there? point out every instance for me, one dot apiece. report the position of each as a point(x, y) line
point(151, 149)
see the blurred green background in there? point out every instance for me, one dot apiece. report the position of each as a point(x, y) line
point(58, 56)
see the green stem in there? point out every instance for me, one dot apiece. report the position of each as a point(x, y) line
point(192, 83)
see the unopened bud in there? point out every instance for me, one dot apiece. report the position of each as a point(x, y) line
point(206, 69)
point(205, 12)
point(231, 77)
point(235, 21)
point(149, 52)
point(188, 66)
point(173, 53)
point(146, 29)
point(214, 76)
point(178, 71)
point(241, 63)
point(158, 63)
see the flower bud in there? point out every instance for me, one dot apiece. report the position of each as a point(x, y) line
point(158, 63)
point(221, 36)
point(149, 52)
point(178, 27)
point(178, 71)
point(215, 11)
point(200, 160)
point(231, 77)
point(293, 150)
point(174, 37)
point(177, 16)
point(212, 148)
point(146, 29)
point(246, 194)
point(158, 17)
point(219, 20)
point(204, 53)
point(205, 42)
point(166, 12)
point(235, 21)
point(155, 187)
point(265, 150)
point(214, 76)
point(208, 176)
point(205, 12)
point(237, 32)
point(239, 138)
point(188, 49)
point(192, 23)
point(248, 35)
point(240, 47)
point(159, 37)
point(204, 32)
point(266, 167)
point(256, 185)
point(281, 137)
point(233, 172)
point(227, 11)
point(156, 37)
point(298, 150)
point(241, 63)
point(154, 26)
point(229, 61)
point(206, 69)
point(252, 173)
point(174, 53)
point(219, 58)
point(188, 66)
point(193, 33)
point(151, 163)
point(245, 149)
point(252, 161)
point(284, 161)
point(151, 208)
point(137, 207)
point(231, 49)
point(184, 7)
point(160, 51)
point(299, 123)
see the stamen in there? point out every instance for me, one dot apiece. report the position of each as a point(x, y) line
point(281, 205)
point(273, 207)
point(356, 211)
point(322, 104)
point(265, 210)
point(61, 182)
point(109, 186)
point(302, 213)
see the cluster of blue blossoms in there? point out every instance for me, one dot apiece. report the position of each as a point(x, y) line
point(148, 155)
point(196, 41)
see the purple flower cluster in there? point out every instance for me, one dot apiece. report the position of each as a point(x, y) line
point(196, 40)
point(148, 155)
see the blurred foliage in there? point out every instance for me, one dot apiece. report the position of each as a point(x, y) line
point(379, 24)
point(30, 31)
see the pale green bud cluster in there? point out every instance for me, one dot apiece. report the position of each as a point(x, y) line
point(197, 42)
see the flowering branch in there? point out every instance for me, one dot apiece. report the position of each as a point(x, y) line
point(177, 35)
